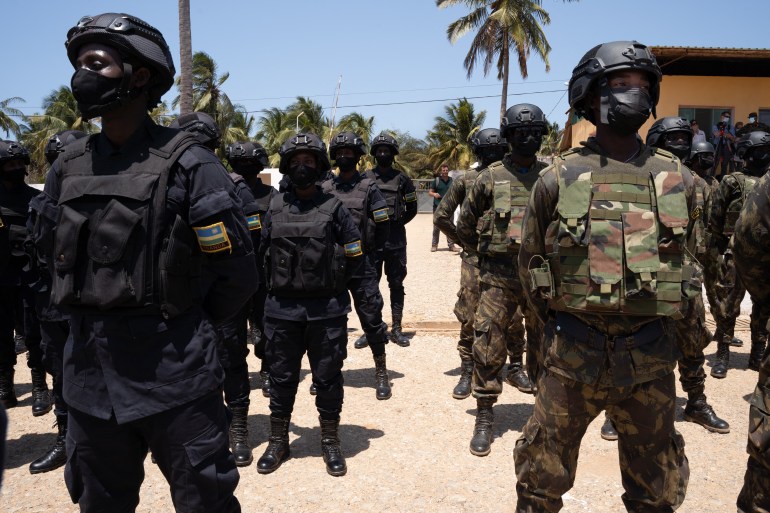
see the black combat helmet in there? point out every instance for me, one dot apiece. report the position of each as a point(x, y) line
point(384, 139)
point(754, 149)
point(304, 142)
point(246, 152)
point(137, 42)
point(57, 142)
point(488, 138)
point(523, 115)
point(347, 140)
point(201, 125)
point(700, 148)
point(12, 150)
point(607, 58)
point(750, 141)
point(670, 124)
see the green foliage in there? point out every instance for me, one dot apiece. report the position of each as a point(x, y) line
point(551, 141)
point(7, 113)
point(451, 134)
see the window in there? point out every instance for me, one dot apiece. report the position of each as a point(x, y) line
point(706, 117)
point(764, 116)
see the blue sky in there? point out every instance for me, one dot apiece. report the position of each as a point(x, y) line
point(387, 52)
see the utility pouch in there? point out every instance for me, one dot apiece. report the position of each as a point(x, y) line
point(65, 288)
point(180, 269)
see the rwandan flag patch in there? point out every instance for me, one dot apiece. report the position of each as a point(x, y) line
point(353, 249)
point(380, 215)
point(410, 196)
point(255, 222)
point(213, 238)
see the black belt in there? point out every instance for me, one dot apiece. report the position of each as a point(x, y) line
point(573, 327)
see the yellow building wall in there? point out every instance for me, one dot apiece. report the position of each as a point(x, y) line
point(742, 94)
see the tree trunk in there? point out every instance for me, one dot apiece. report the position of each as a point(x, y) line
point(506, 65)
point(185, 58)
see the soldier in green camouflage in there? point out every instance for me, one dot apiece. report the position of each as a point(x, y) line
point(491, 220)
point(726, 206)
point(603, 258)
point(675, 135)
point(489, 147)
point(752, 261)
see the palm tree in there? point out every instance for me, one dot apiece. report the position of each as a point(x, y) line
point(160, 114)
point(206, 85)
point(234, 123)
point(357, 123)
point(450, 136)
point(310, 116)
point(275, 126)
point(185, 58)
point(552, 140)
point(501, 26)
point(412, 155)
point(7, 113)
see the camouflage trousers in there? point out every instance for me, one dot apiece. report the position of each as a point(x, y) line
point(465, 308)
point(653, 466)
point(710, 280)
point(498, 333)
point(729, 294)
point(693, 336)
point(755, 494)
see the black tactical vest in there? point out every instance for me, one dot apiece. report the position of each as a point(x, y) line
point(356, 200)
point(393, 190)
point(14, 209)
point(115, 247)
point(304, 260)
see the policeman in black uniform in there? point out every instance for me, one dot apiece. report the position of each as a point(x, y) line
point(367, 205)
point(202, 126)
point(137, 215)
point(54, 324)
point(16, 276)
point(310, 242)
point(248, 159)
point(402, 207)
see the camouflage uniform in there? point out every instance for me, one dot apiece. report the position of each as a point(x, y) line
point(468, 295)
point(607, 275)
point(488, 207)
point(752, 260)
point(726, 203)
point(710, 260)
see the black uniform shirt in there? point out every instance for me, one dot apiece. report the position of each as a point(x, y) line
point(397, 236)
point(312, 309)
point(134, 366)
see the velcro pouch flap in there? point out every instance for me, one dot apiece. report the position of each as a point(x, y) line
point(111, 232)
point(67, 237)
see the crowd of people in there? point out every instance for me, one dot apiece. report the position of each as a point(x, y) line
point(145, 269)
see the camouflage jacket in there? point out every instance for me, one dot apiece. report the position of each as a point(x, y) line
point(443, 217)
point(751, 242)
point(696, 229)
point(725, 206)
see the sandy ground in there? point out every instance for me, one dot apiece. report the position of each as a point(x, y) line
point(410, 453)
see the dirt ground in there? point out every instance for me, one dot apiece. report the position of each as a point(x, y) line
point(410, 453)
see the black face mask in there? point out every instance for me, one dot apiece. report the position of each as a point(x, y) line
point(247, 170)
point(680, 150)
point(625, 109)
point(97, 94)
point(384, 160)
point(15, 176)
point(758, 160)
point(528, 145)
point(492, 155)
point(302, 176)
point(346, 164)
point(706, 162)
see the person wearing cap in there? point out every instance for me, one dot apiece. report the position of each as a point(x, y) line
point(698, 135)
point(603, 258)
point(753, 125)
point(151, 254)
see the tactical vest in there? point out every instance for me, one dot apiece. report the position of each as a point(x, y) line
point(116, 246)
point(393, 190)
point(262, 202)
point(356, 200)
point(618, 244)
point(469, 178)
point(745, 184)
point(499, 228)
point(304, 259)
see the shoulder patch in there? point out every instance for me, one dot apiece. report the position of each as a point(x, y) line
point(696, 213)
point(213, 238)
point(353, 249)
point(410, 196)
point(254, 222)
point(380, 215)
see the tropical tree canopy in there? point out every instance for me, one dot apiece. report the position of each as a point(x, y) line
point(451, 134)
point(7, 114)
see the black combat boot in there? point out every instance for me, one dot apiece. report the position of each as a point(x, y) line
point(330, 448)
point(463, 387)
point(736, 342)
point(57, 455)
point(361, 342)
point(381, 375)
point(265, 377)
point(277, 450)
point(396, 335)
point(41, 397)
point(481, 443)
point(719, 370)
point(517, 377)
point(699, 411)
point(20, 344)
point(7, 393)
point(608, 431)
point(757, 350)
point(239, 433)
point(313, 390)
